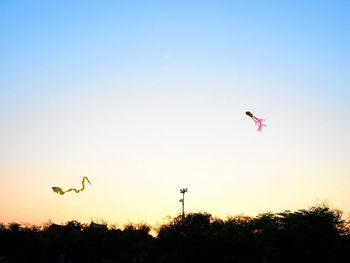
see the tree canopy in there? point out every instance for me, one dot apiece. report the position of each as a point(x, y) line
point(317, 234)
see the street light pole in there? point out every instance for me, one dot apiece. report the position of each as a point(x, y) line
point(183, 191)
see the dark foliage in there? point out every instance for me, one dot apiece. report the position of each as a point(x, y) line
point(318, 234)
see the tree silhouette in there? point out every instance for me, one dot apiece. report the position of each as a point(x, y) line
point(318, 234)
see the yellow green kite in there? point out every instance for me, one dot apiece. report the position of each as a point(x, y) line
point(61, 192)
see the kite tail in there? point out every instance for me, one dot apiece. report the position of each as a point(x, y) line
point(82, 182)
point(72, 189)
point(259, 122)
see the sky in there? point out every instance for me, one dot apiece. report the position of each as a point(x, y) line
point(147, 97)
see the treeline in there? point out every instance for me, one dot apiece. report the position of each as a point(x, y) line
point(318, 234)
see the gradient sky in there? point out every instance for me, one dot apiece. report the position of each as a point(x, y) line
point(147, 97)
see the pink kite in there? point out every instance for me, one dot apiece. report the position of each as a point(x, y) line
point(256, 120)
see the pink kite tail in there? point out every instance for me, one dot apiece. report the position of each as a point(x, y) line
point(259, 122)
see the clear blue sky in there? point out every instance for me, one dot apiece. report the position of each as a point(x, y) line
point(146, 97)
